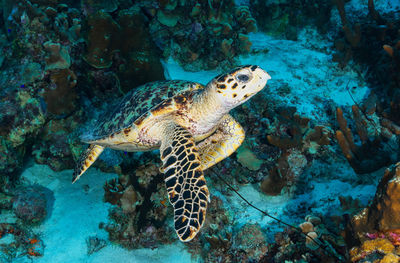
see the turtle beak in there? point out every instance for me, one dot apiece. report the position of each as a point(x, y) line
point(263, 77)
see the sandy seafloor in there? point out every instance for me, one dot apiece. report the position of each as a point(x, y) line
point(306, 67)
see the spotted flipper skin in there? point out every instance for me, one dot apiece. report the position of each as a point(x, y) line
point(228, 136)
point(184, 180)
point(87, 158)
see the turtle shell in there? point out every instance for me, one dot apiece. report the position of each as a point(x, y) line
point(137, 103)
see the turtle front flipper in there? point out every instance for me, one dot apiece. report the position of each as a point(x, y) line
point(87, 158)
point(184, 180)
point(228, 136)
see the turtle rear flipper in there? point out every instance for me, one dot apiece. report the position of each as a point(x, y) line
point(184, 180)
point(87, 158)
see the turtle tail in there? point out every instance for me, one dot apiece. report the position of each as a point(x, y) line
point(87, 158)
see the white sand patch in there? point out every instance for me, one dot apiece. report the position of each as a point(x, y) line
point(169, 254)
point(78, 210)
point(326, 182)
point(304, 68)
point(323, 198)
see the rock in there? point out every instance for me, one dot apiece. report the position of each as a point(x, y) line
point(384, 212)
point(33, 203)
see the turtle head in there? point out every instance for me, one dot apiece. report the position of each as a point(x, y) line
point(239, 85)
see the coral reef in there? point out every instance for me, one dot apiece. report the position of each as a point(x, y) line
point(374, 139)
point(65, 63)
point(101, 37)
point(392, 113)
point(60, 96)
point(297, 142)
point(394, 52)
point(125, 40)
point(292, 130)
point(41, 101)
point(352, 36)
point(58, 56)
point(383, 213)
point(286, 18)
point(59, 146)
point(380, 250)
point(216, 240)
point(26, 206)
point(291, 244)
point(249, 244)
point(22, 242)
point(38, 83)
point(202, 34)
point(220, 243)
point(362, 38)
point(140, 209)
point(21, 118)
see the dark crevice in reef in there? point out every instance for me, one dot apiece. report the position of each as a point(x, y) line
point(147, 205)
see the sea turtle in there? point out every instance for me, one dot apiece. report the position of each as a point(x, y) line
point(191, 126)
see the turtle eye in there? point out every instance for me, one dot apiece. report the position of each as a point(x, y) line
point(242, 77)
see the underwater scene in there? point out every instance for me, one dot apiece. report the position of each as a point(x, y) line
point(199, 131)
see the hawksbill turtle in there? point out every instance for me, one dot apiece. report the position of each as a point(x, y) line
point(190, 124)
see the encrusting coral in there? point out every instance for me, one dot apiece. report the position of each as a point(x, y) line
point(379, 246)
point(377, 226)
point(383, 213)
